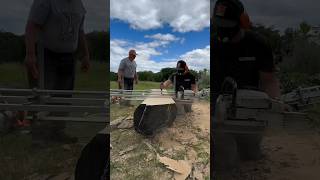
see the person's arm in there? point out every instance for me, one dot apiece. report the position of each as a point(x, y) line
point(270, 84)
point(120, 79)
point(166, 84)
point(194, 88)
point(83, 47)
point(136, 77)
point(38, 15)
point(120, 75)
point(120, 71)
point(31, 34)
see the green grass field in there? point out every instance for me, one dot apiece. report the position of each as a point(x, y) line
point(142, 85)
point(14, 75)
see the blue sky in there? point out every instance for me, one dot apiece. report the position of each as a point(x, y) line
point(187, 41)
point(161, 34)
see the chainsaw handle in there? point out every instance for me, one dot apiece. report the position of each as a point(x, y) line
point(234, 87)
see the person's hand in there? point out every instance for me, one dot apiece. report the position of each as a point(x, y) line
point(120, 81)
point(161, 86)
point(31, 64)
point(85, 64)
point(136, 81)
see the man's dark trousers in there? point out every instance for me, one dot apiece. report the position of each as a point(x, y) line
point(59, 74)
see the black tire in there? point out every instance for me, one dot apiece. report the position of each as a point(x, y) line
point(94, 162)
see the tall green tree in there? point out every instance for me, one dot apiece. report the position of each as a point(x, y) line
point(304, 28)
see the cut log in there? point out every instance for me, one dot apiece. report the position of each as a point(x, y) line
point(153, 114)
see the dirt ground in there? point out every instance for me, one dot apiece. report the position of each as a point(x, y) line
point(132, 157)
point(19, 159)
point(288, 155)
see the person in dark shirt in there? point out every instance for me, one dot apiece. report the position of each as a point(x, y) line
point(247, 58)
point(182, 78)
point(240, 53)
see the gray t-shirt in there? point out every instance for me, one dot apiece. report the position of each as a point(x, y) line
point(61, 22)
point(128, 67)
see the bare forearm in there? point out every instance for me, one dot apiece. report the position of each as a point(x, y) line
point(30, 38)
point(31, 33)
point(83, 44)
point(136, 77)
point(167, 84)
point(270, 84)
point(120, 75)
point(194, 88)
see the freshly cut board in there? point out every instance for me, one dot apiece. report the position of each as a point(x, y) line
point(182, 168)
point(158, 101)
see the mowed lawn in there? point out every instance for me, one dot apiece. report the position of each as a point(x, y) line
point(142, 85)
point(14, 75)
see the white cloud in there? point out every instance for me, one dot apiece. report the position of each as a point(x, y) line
point(197, 59)
point(182, 40)
point(181, 15)
point(163, 37)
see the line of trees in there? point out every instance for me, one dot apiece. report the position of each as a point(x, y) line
point(202, 76)
point(151, 76)
point(297, 53)
point(12, 47)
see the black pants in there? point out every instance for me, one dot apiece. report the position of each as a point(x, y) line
point(128, 83)
point(59, 74)
point(59, 71)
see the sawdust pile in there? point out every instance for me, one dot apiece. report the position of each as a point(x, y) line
point(190, 134)
point(181, 151)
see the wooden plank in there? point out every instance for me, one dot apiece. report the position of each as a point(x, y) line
point(158, 101)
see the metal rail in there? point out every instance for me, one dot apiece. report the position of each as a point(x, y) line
point(90, 103)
